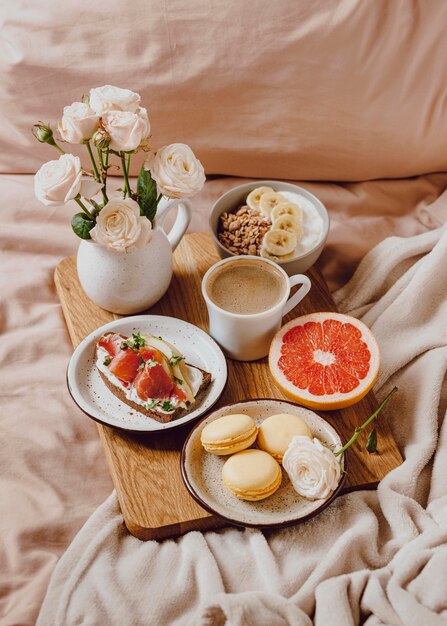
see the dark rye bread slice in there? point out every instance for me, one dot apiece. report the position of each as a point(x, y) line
point(160, 417)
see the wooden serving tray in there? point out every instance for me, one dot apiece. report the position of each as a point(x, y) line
point(145, 468)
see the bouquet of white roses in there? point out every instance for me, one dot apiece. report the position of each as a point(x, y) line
point(112, 124)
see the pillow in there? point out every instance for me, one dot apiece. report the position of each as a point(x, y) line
point(312, 90)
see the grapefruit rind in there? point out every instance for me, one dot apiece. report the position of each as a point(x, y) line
point(329, 401)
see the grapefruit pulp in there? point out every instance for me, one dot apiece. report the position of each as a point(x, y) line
point(324, 360)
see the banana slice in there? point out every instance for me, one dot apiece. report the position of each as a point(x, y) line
point(287, 208)
point(290, 223)
point(277, 259)
point(269, 200)
point(254, 197)
point(279, 242)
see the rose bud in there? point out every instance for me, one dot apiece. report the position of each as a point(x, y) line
point(43, 133)
point(101, 139)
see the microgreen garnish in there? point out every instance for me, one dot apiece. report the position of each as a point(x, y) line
point(179, 381)
point(107, 360)
point(175, 360)
point(149, 363)
point(167, 406)
point(137, 343)
point(138, 340)
point(361, 428)
point(152, 404)
point(128, 344)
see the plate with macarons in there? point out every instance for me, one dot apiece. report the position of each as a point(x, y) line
point(253, 463)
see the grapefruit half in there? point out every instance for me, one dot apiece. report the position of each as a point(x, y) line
point(324, 360)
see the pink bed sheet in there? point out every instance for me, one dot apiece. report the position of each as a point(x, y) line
point(52, 470)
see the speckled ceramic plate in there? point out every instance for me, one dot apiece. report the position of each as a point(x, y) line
point(98, 402)
point(202, 472)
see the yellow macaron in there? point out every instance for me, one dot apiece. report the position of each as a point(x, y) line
point(229, 434)
point(276, 432)
point(252, 475)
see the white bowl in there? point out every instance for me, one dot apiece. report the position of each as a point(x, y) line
point(236, 196)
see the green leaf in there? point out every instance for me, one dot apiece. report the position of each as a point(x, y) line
point(371, 444)
point(167, 406)
point(82, 225)
point(147, 194)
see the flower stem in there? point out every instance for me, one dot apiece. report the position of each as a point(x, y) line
point(103, 169)
point(361, 428)
point(127, 190)
point(84, 208)
point(101, 163)
point(98, 178)
point(92, 158)
point(58, 147)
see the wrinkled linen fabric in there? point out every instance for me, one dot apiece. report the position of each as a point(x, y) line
point(308, 89)
point(53, 473)
point(311, 89)
point(376, 558)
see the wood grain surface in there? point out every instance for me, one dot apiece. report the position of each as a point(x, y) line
point(145, 468)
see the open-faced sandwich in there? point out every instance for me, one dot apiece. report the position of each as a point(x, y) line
point(149, 374)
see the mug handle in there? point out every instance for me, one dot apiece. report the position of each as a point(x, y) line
point(181, 223)
point(298, 279)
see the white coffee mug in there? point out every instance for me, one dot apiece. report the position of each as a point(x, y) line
point(247, 337)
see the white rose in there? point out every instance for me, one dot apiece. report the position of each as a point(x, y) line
point(127, 130)
point(119, 226)
point(58, 181)
point(78, 123)
point(313, 469)
point(89, 187)
point(176, 170)
point(110, 98)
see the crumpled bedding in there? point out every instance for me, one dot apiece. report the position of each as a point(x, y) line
point(52, 471)
point(372, 557)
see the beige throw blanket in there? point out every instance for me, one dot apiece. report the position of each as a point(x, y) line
point(371, 557)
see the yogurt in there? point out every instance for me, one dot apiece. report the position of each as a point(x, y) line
point(312, 222)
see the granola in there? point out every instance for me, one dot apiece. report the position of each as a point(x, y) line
point(242, 231)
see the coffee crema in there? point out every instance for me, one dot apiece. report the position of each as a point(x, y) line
point(246, 287)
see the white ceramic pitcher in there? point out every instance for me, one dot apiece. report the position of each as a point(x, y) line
point(132, 281)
